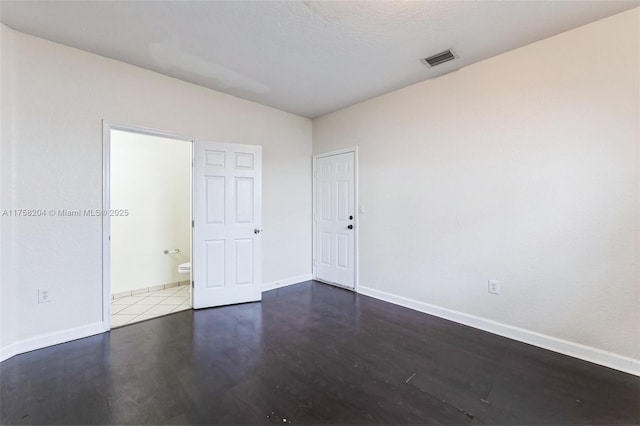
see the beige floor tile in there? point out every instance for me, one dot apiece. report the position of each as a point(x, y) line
point(151, 300)
point(127, 300)
point(182, 307)
point(131, 309)
point(117, 308)
point(174, 300)
point(144, 317)
point(118, 320)
point(160, 309)
point(135, 310)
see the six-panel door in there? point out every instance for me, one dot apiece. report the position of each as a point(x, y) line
point(334, 215)
point(227, 234)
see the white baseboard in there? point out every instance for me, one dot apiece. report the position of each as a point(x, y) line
point(149, 289)
point(576, 350)
point(50, 339)
point(285, 282)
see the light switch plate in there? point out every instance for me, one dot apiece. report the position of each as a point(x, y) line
point(494, 287)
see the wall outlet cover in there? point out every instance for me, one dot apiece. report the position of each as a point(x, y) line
point(494, 287)
point(44, 295)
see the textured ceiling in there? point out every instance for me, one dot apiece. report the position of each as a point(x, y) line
point(306, 57)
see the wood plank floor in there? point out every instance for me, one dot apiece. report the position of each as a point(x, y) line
point(309, 354)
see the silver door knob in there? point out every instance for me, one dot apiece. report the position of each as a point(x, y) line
point(257, 231)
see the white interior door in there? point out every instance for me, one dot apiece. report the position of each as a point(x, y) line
point(335, 219)
point(227, 249)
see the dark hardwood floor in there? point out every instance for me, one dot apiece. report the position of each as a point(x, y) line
point(309, 354)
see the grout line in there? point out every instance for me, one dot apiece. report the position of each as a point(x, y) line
point(157, 303)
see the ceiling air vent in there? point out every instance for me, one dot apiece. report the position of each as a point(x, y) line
point(439, 58)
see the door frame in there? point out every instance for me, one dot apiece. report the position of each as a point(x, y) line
point(356, 202)
point(107, 127)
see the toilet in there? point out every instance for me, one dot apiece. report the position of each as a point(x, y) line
point(184, 268)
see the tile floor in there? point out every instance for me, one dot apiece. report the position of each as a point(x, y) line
point(130, 309)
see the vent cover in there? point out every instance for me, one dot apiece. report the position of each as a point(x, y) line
point(440, 58)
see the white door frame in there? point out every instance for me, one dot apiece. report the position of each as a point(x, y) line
point(107, 127)
point(356, 273)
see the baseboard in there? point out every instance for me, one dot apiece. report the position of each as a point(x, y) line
point(50, 339)
point(149, 289)
point(285, 282)
point(576, 350)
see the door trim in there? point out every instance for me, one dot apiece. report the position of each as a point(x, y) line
point(356, 202)
point(107, 127)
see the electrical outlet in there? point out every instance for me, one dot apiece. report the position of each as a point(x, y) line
point(44, 295)
point(494, 286)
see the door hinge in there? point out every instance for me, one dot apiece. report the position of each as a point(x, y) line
point(192, 284)
point(193, 223)
point(314, 262)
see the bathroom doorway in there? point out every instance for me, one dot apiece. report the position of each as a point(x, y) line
point(149, 223)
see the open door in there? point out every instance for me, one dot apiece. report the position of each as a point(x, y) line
point(227, 212)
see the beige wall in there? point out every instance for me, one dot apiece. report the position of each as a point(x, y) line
point(54, 99)
point(521, 168)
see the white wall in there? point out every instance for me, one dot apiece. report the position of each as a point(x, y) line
point(151, 180)
point(521, 168)
point(54, 99)
point(7, 102)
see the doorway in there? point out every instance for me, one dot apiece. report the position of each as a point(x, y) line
point(150, 226)
point(335, 219)
point(205, 201)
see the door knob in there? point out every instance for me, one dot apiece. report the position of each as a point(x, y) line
point(350, 227)
point(257, 231)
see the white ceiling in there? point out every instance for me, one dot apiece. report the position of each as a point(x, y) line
point(306, 57)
